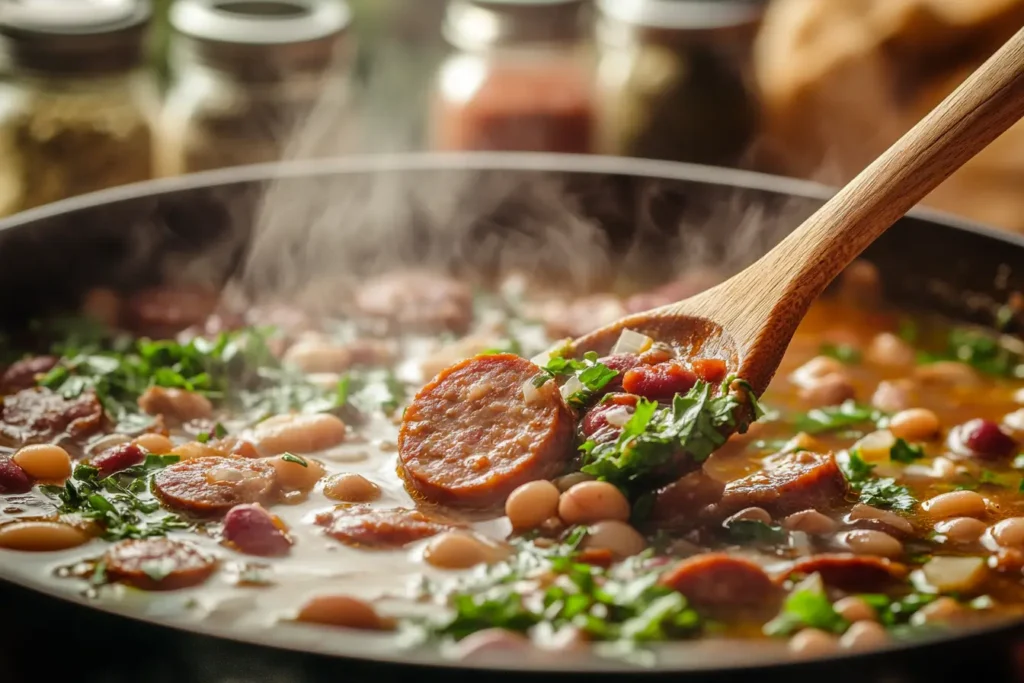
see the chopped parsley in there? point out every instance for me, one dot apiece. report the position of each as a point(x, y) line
point(592, 375)
point(619, 605)
point(289, 457)
point(806, 608)
point(981, 349)
point(833, 418)
point(219, 432)
point(657, 436)
point(896, 611)
point(120, 503)
point(905, 452)
point(844, 353)
point(879, 492)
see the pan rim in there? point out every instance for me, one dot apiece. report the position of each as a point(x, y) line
point(482, 161)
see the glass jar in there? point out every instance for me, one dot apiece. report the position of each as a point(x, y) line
point(520, 78)
point(673, 79)
point(75, 106)
point(255, 81)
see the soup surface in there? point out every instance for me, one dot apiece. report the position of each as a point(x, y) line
point(425, 469)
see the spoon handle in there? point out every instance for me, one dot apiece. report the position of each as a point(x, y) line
point(982, 108)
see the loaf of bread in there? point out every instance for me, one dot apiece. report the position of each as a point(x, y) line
point(843, 79)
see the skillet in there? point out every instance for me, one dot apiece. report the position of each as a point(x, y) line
point(615, 218)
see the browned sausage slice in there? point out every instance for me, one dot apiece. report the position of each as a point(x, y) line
point(212, 486)
point(381, 529)
point(470, 436)
point(848, 572)
point(798, 482)
point(418, 300)
point(40, 416)
point(681, 503)
point(158, 564)
point(22, 374)
point(719, 579)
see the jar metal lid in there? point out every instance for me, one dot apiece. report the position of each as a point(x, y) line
point(478, 24)
point(260, 22)
point(87, 38)
point(682, 14)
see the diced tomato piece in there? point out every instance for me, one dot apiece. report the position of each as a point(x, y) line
point(711, 370)
point(659, 382)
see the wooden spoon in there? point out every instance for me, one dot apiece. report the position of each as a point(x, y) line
point(750, 319)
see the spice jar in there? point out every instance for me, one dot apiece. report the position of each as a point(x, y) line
point(520, 77)
point(254, 81)
point(672, 78)
point(75, 105)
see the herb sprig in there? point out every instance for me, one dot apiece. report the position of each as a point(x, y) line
point(880, 492)
point(592, 375)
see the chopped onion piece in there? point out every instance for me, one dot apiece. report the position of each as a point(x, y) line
point(230, 474)
point(556, 349)
point(631, 342)
point(954, 574)
point(618, 416)
point(531, 394)
point(800, 541)
point(875, 447)
point(812, 583)
point(571, 387)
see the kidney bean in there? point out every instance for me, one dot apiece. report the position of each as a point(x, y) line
point(12, 478)
point(983, 439)
point(254, 531)
point(596, 418)
point(118, 458)
point(660, 382)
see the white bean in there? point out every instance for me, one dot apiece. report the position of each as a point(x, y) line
point(862, 511)
point(810, 642)
point(810, 522)
point(350, 487)
point(491, 641)
point(40, 536)
point(864, 635)
point(942, 610)
point(888, 349)
point(618, 537)
point(947, 373)
point(815, 369)
point(827, 391)
point(915, 424)
point(298, 433)
point(961, 530)
point(854, 609)
point(532, 504)
point(566, 482)
point(155, 443)
point(459, 550)
point(894, 396)
point(297, 476)
point(955, 504)
point(44, 462)
point(592, 501)
point(318, 356)
point(1009, 533)
point(341, 610)
point(871, 542)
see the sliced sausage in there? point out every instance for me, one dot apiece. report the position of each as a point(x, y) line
point(214, 485)
point(418, 301)
point(13, 479)
point(40, 416)
point(682, 502)
point(162, 312)
point(800, 481)
point(848, 572)
point(470, 437)
point(118, 458)
point(659, 382)
point(22, 374)
point(158, 564)
point(380, 529)
point(719, 579)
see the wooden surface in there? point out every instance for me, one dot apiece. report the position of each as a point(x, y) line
point(750, 319)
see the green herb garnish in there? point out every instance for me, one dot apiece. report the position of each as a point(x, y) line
point(880, 492)
point(806, 608)
point(844, 353)
point(833, 418)
point(753, 531)
point(905, 452)
point(592, 375)
point(289, 457)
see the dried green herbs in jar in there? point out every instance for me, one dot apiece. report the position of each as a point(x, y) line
point(75, 106)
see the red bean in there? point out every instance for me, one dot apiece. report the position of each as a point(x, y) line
point(661, 381)
point(118, 458)
point(12, 478)
point(984, 439)
point(597, 417)
point(254, 531)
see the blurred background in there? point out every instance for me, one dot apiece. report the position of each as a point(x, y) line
point(97, 93)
